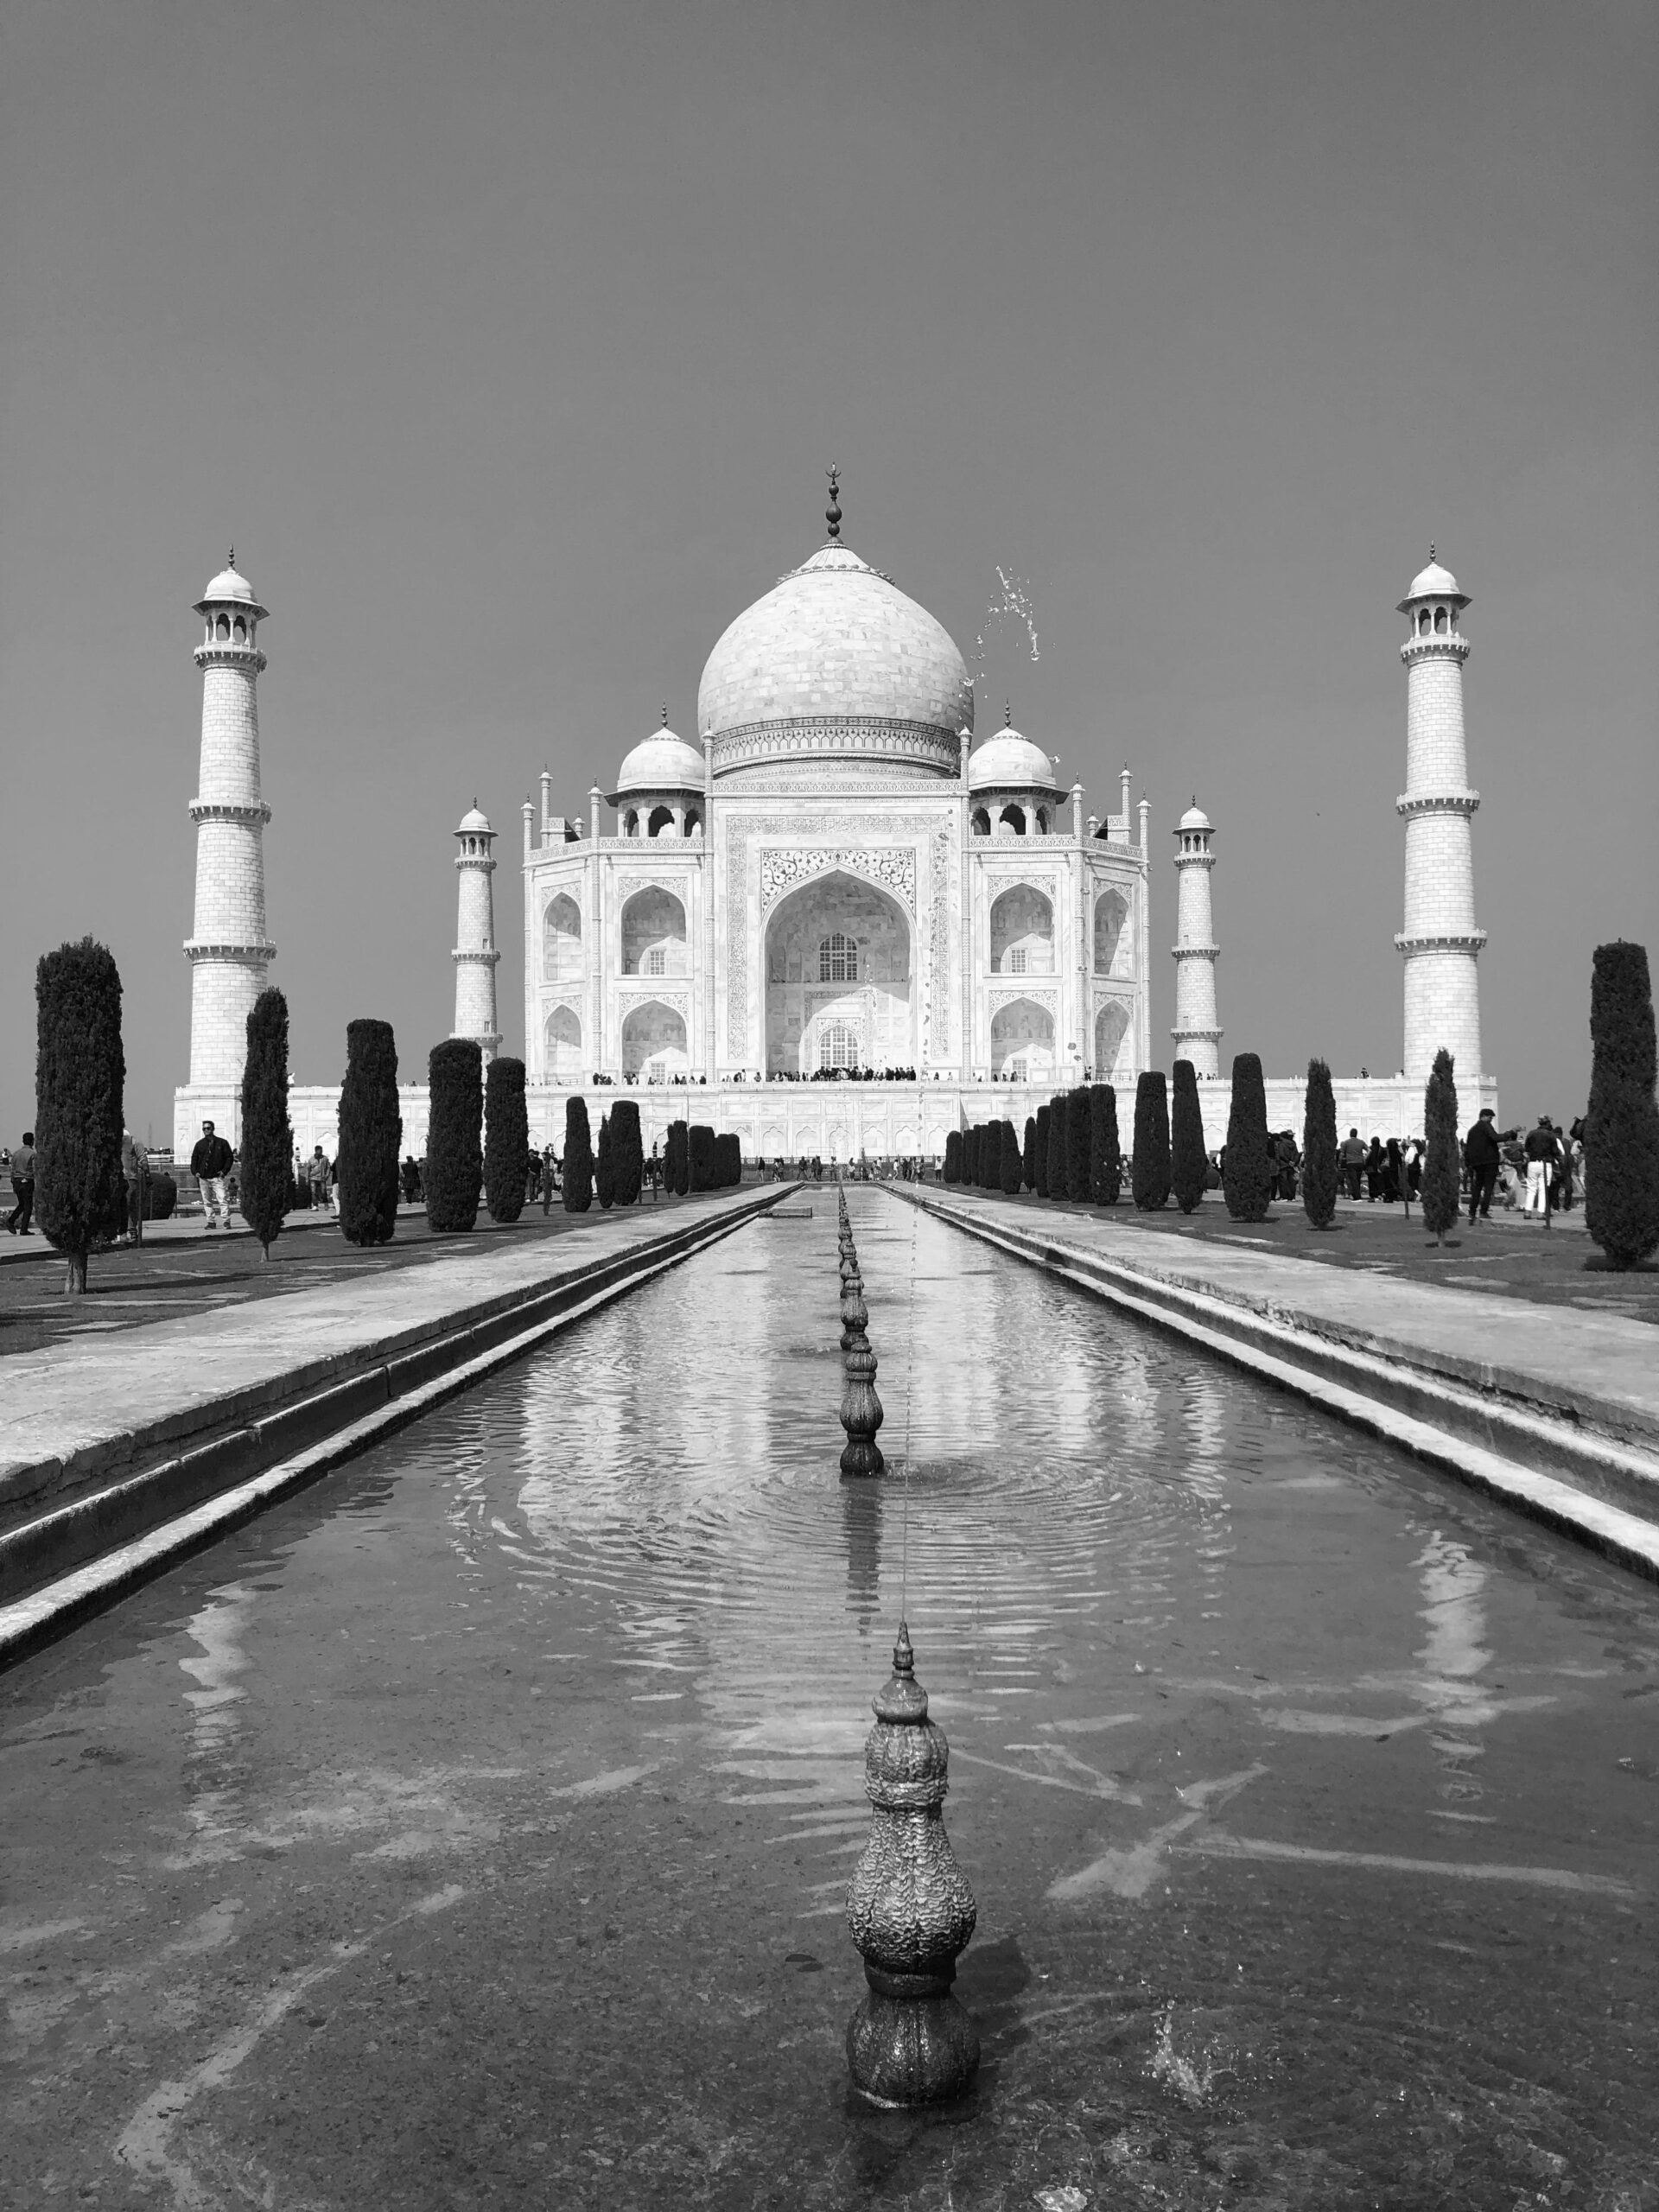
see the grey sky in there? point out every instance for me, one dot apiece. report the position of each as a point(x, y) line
point(509, 342)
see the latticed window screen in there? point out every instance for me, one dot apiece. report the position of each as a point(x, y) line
point(657, 962)
point(838, 960)
point(838, 1045)
point(1015, 963)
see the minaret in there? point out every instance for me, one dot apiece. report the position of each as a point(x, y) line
point(228, 948)
point(475, 955)
point(1439, 941)
point(1196, 1032)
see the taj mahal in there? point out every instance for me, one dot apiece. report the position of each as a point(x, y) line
point(843, 924)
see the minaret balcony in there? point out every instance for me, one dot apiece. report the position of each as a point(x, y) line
point(1446, 644)
point(209, 949)
point(1442, 941)
point(481, 956)
point(251, 659)
point(213, 809)
point(1436, 803)
point(1196, 951)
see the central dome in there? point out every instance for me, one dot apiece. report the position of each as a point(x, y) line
point(836, 662)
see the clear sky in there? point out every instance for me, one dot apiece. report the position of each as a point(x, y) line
point(509, 342)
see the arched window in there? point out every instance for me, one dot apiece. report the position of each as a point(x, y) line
point(653, 934)
point(563, 1044)
point(1440, 618)
point(662, 818)
point(1013, 817)
point(239, 630)
point(838, 1045)
point(982, 823)
point(693, 820)
point(838, 964)
point(1422, 622)
point(561, 941)
point(1042, 822)
point(1111, 938)
point(222, 627)
point(631, 824)
point(1022, 933)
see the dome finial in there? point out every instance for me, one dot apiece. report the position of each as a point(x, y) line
point(1007, 713)
point(1431, 548)
point(832, 513)
point(665, 714)
point(230, 564)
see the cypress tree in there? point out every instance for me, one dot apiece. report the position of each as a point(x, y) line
point(267, 1134)
point(1189, 1164)
point(1028, 1164)
point(1040, 1166)
point(1150, 1183)
point(1621, 1132)
point(1013, 1165)
point(1442, 1176)
point(605, 1166)
point(990, 1156)
point(1057, 1180)
point(370, 1136)
point(1105, 1149)
point(728, 1160)
point(1320, 1161)
point(627, 1152)
point(79, 1078)
point(970, 1156)
point(1247, 1171)
point(578, 1157)
point(1079, 1139)
point(454, 1155)
point(953, 1156)
point(506, 1140)
point(677, 1165)
point(700, 1150)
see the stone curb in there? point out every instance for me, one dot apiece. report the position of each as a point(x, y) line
point(1576, 1471)
point(87, 1552)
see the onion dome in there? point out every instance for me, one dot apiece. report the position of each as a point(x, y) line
point(1194, 818)
point(662, 762)
point(1010, 762)
point(836, 662)
point(475, 822)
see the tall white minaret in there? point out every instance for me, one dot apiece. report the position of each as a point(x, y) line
point(228, 948)
point(475, 955)
point(1196, 1032)
point(1439, 941)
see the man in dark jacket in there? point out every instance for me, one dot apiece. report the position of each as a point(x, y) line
point(210, 1163)
point(22, 1184)
point(1483, 1158)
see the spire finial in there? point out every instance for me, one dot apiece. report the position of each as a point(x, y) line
point(1431, 548)
point(230, 564)
point(832, 513)
point(665, 714)
point(1007, 713)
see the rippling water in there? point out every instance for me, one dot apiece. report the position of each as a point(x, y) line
point(1307, 1800)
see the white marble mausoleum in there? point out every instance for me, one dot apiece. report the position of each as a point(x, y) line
point(835, 883)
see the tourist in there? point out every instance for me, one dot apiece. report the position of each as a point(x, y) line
point(550, 1177)
point(318, 1178)
point(1374, 1171)
point(1353, 1159)
point(411, 1179)
point(1391, 1181)
point(1541, 1153)
point(1482, 1158)
point(135, 1165)
point(23, 1185)
point(210, 1163)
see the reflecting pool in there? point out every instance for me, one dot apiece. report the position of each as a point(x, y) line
point(474, 1828)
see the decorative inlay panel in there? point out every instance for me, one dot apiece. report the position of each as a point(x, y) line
point(626, 885)
point(1043, 999)
point(891, 867)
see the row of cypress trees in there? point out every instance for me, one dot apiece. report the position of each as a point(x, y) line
point(694, 1159)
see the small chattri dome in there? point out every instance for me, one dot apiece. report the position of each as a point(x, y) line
point(475, 822)
point(230, 583)
point(1194, 818)
point(1008, 761)
point(662, 762)
point(1435, 582)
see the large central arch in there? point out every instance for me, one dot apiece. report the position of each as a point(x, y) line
point(840, 979)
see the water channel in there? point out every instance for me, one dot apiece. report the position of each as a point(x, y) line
point(473, 1828)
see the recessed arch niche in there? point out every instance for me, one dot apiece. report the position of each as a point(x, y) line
point(1114, 939)
point(653, 933)
point(653, 1042)
point(1022, 1042)
point(563, 1033)
point(561, 941)
point(856, 1000)
point(1022, 932)
point(1112, 1050)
